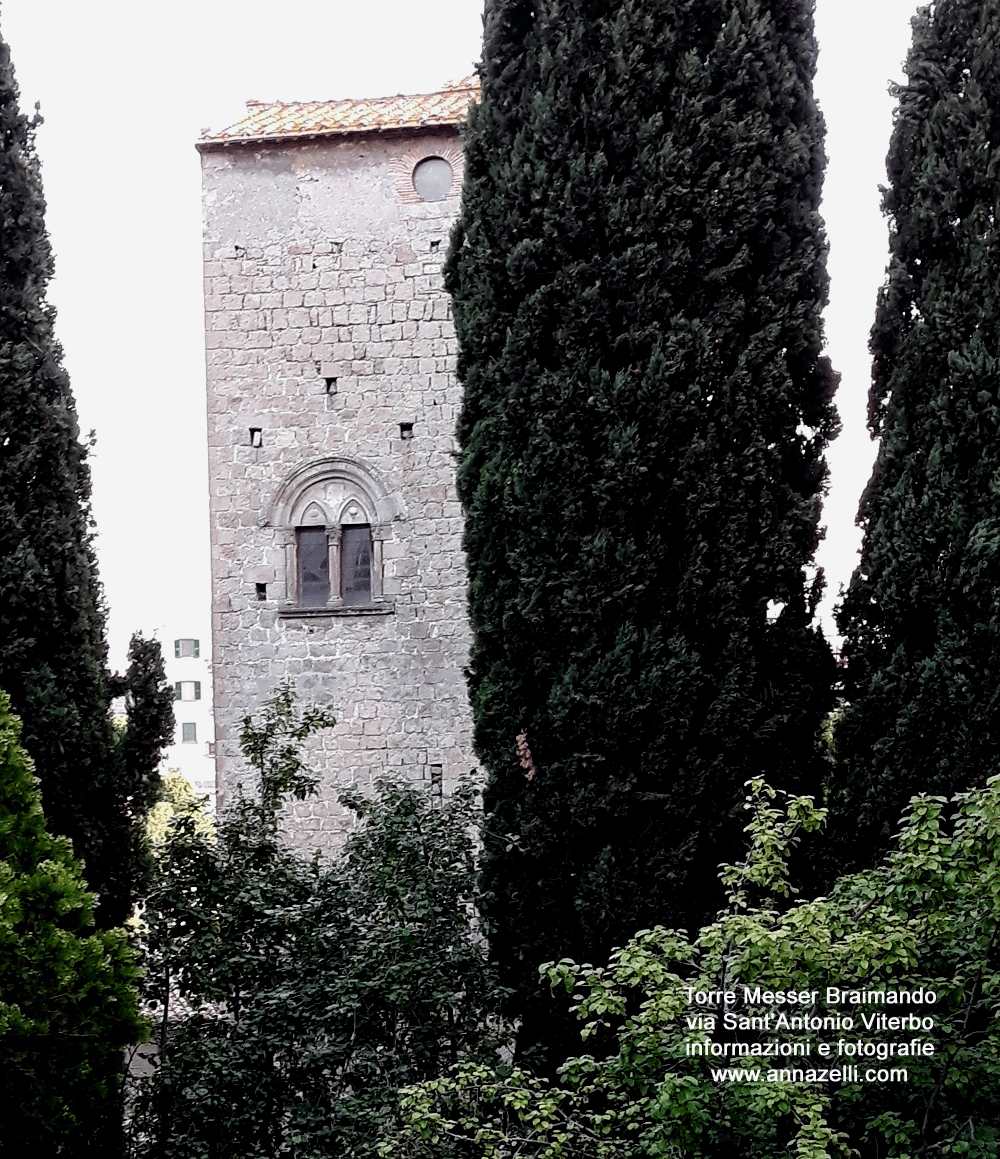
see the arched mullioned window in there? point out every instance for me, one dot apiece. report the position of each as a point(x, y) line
point(332, 517)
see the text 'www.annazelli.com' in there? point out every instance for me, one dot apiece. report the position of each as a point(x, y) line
point(844, 1074)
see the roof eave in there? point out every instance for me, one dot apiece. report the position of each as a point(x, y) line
point(214, 144)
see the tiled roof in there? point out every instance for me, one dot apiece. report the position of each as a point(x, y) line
point(327, 118)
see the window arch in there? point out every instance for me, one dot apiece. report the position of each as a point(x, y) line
point(332, 517)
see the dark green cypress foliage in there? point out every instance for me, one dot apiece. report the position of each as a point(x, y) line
point(638, 274)
point(149, 728)
point(921, 620)
point(52, 651)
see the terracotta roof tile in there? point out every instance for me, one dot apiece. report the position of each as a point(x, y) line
point(265, 122)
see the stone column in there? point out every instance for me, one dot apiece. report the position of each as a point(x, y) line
point(289, 578)
point(379, 533)
point(335, 599)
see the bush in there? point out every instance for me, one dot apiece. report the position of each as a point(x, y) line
point(929, 916)
point(316, 988)
point(177, 798)
point(68, 998)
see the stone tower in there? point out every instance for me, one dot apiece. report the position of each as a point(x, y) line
point(332, 399)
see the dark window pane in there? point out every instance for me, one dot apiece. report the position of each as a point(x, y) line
point(356, 565)
point(189, 733)
point(314, 567)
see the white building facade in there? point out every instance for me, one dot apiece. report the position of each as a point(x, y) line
point(187, 661)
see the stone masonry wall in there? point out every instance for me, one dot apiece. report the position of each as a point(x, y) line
point(327, 327)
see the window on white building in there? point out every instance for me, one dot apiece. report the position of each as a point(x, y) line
point(187, 690)
point(189, 733)
point(186, 647)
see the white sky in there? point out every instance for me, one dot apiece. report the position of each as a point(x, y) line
point(126, 88)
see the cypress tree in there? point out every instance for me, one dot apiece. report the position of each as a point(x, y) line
point(637, 275)
point(52, 650)
point(148, 729)
point(921, 619)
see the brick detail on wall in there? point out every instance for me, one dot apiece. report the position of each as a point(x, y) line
point(404, 164)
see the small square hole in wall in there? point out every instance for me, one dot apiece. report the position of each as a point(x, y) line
point(255, 437)
point(406, 430)
point(331, 385)
point(435, 245)
point(262, 591)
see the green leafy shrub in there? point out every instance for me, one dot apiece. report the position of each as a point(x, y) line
point(177, 798)
point(929, 916)
point(316, 988)
point(68, 995)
